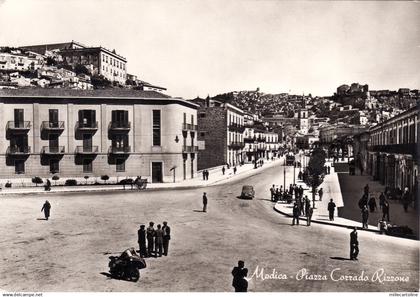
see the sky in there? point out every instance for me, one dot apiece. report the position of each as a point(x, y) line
point(208, 47)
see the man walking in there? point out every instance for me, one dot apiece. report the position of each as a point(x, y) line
point(46, 208)
point(331, 209)
point(150, 234)
point(296, 214)
point(141, 233)
point(223, 170)
point(365, 217)
point(354, 245)
point(166, 237)
point(272, 191)
point(204, 202)
point(405, 199)
point(372, 204)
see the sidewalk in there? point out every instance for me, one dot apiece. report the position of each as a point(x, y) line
point(332, 190)
point(216, 177)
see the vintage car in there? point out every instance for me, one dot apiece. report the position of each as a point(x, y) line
point(247, 192)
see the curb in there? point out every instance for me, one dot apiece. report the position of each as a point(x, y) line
point(327, 223)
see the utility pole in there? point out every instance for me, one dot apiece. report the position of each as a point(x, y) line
point(284, 174)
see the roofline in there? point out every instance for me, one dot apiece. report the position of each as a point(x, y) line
point(177, 100)
point(96, 48)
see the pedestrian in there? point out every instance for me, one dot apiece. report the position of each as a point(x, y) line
point(223, 170)
point(150, 234)
point(307, 204)
point(48, 185)
point(405, 199)
point(354, 245)
point(300, 175)
point(272, 191)
point(204, 202)
point(234, 170)
point(296, 213)
point(141, 233)
point(381, 200)
point(366, 189)
point(237, 274)
point(46, 208)
point(243, 283)
point(204, 174)
point(158, 241)
point(328, 169)
point(372, 204)
point(365, 217)
point(320, 193)
point(207, 174)
point(166, 237)
point(331, 209)
point(385, 211)
point(309, 213)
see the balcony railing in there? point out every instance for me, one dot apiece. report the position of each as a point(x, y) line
point(53, 126)
point(236, 145)
point(119, 150)
point(119, 126)
point(87, 150)
point(87, 126)
point(16, 150)
point(189, 149)
point(236, 128)
point(23, 126)
point(186, 127)
point(53, 150)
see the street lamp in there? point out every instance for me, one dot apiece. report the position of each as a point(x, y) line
point(284, 174)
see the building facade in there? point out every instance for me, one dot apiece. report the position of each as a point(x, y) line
point(114, 132)
point(220, 129)
point(392, 151)
point(99, 60)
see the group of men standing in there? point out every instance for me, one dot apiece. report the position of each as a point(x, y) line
point(157, 240)
point(302, 207)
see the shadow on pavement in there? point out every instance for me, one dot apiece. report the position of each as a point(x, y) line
point(197, 210)
point(340, 258)
point(42, 219)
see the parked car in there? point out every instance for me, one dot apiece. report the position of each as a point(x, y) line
point(247, 192)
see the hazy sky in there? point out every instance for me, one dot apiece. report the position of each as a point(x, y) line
point(210, 47)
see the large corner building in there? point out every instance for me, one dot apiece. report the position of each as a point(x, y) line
point(114, 132)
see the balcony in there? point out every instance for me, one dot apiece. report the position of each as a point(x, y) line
point(53, 150)
point(236, 145)
point(119, 150)
point(189, 149)
point(236, 128)
point(18, 151)
point(22, 127)
point(191, 127)
point(119, 126)
point(87, 127)
point(53, 126)
point(82, 150)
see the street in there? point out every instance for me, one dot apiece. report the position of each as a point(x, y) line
point(70, 251)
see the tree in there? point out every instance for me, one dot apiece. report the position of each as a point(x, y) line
point(105, 178)
point(315, 171)
point(100, 82)
point(37, 180)
point(55, 178)
point(81, 69)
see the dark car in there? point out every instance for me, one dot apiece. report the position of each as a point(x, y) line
point(247, 192)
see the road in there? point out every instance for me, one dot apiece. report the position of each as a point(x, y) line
point(70, 251)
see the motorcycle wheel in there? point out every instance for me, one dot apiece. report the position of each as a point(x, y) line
point(134, 274)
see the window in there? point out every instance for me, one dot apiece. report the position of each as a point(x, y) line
point(54, 166)
point(185, 118)
point(119, 118)
point(202, 115)
point(192, 119)
point(202, 134)
point(120, 165)
point(87, 165)
point(156, 127)
point(19, 166)
point(87, 118)
point(19, 118)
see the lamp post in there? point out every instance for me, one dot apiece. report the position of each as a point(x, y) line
point(284, 174)
point(294, 172)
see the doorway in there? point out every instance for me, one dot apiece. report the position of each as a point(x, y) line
point(157, 176)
